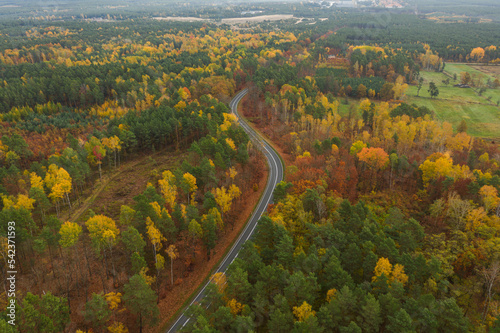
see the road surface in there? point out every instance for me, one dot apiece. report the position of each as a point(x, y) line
point(275, 176)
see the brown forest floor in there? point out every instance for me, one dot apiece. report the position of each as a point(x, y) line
point(264, 128)
point(106, 197)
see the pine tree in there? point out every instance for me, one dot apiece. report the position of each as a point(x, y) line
point(140, 299)
point(97, 312)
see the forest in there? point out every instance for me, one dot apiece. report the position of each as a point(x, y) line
point(128, 177)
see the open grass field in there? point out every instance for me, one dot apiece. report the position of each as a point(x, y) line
point(454, 104)
point(482, 120)
point(452, 68)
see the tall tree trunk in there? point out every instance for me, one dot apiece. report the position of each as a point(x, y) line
point(102, 279)
point(105, 263)
point(112, 265)
point(52, 263)
point(67, 283)
point(77, 263)
point(172, 270)
point(69, 202)
point(87, 258)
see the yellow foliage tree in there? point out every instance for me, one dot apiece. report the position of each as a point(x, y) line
point(22, 201)
point(475, 217)
point(231, 173)
point(441, 165)
point(392, 274)
point(234, 191)
point(117, 327)
point(69, 234)
point(230, 143)
point(224, 197)
point(184, 93)
point(156, 208)
point(229, 119)
point(217, 216)
point(330, 294)
point(383, 267)
point(144, 273)
point(484, 158)
point(58, 181)
point(477, 54)
point(104, 233)
point(114, 144)
point(191, 186)
point(234, 306)
point(154, 235)
point(181, 105)
point(113, 299)
point(159, 262)
point(168, 188)
point(36, 181)
point(398, 274)
point(219, 279)
point(357, 147)
point(458, 142)
point(303, 312)
point(102, 230)
point(489, 194)
point(172, 254)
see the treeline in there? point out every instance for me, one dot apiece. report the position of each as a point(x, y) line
point(452, 41)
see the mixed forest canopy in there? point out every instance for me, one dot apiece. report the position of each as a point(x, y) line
point(388, 219)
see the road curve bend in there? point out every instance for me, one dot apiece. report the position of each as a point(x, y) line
point(274, 177)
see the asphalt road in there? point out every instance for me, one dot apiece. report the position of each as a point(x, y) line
point(275, 176)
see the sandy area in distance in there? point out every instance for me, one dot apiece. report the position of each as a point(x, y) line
point(182, 19)
point(235, 20)
point(256, 19)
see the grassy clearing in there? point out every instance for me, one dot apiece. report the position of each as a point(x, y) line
point(494, 94)
point(344, 108)
point(482, 120)
point(132, 180)
point(454, 104)
point(461, 95)
point(452, 68)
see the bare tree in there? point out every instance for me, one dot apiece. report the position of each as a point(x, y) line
point(490, 277)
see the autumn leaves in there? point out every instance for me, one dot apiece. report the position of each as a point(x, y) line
point(96, 150)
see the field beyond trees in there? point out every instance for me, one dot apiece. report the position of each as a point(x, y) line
point(454, 104)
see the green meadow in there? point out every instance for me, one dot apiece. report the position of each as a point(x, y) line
point(454, 104)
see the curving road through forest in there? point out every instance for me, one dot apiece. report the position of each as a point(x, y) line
point(275, 176)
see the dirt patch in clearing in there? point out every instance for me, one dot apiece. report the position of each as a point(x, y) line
point(490, 70)
point(262, 18)
point(232, 20)
point(180, 19)
point(132, 181)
